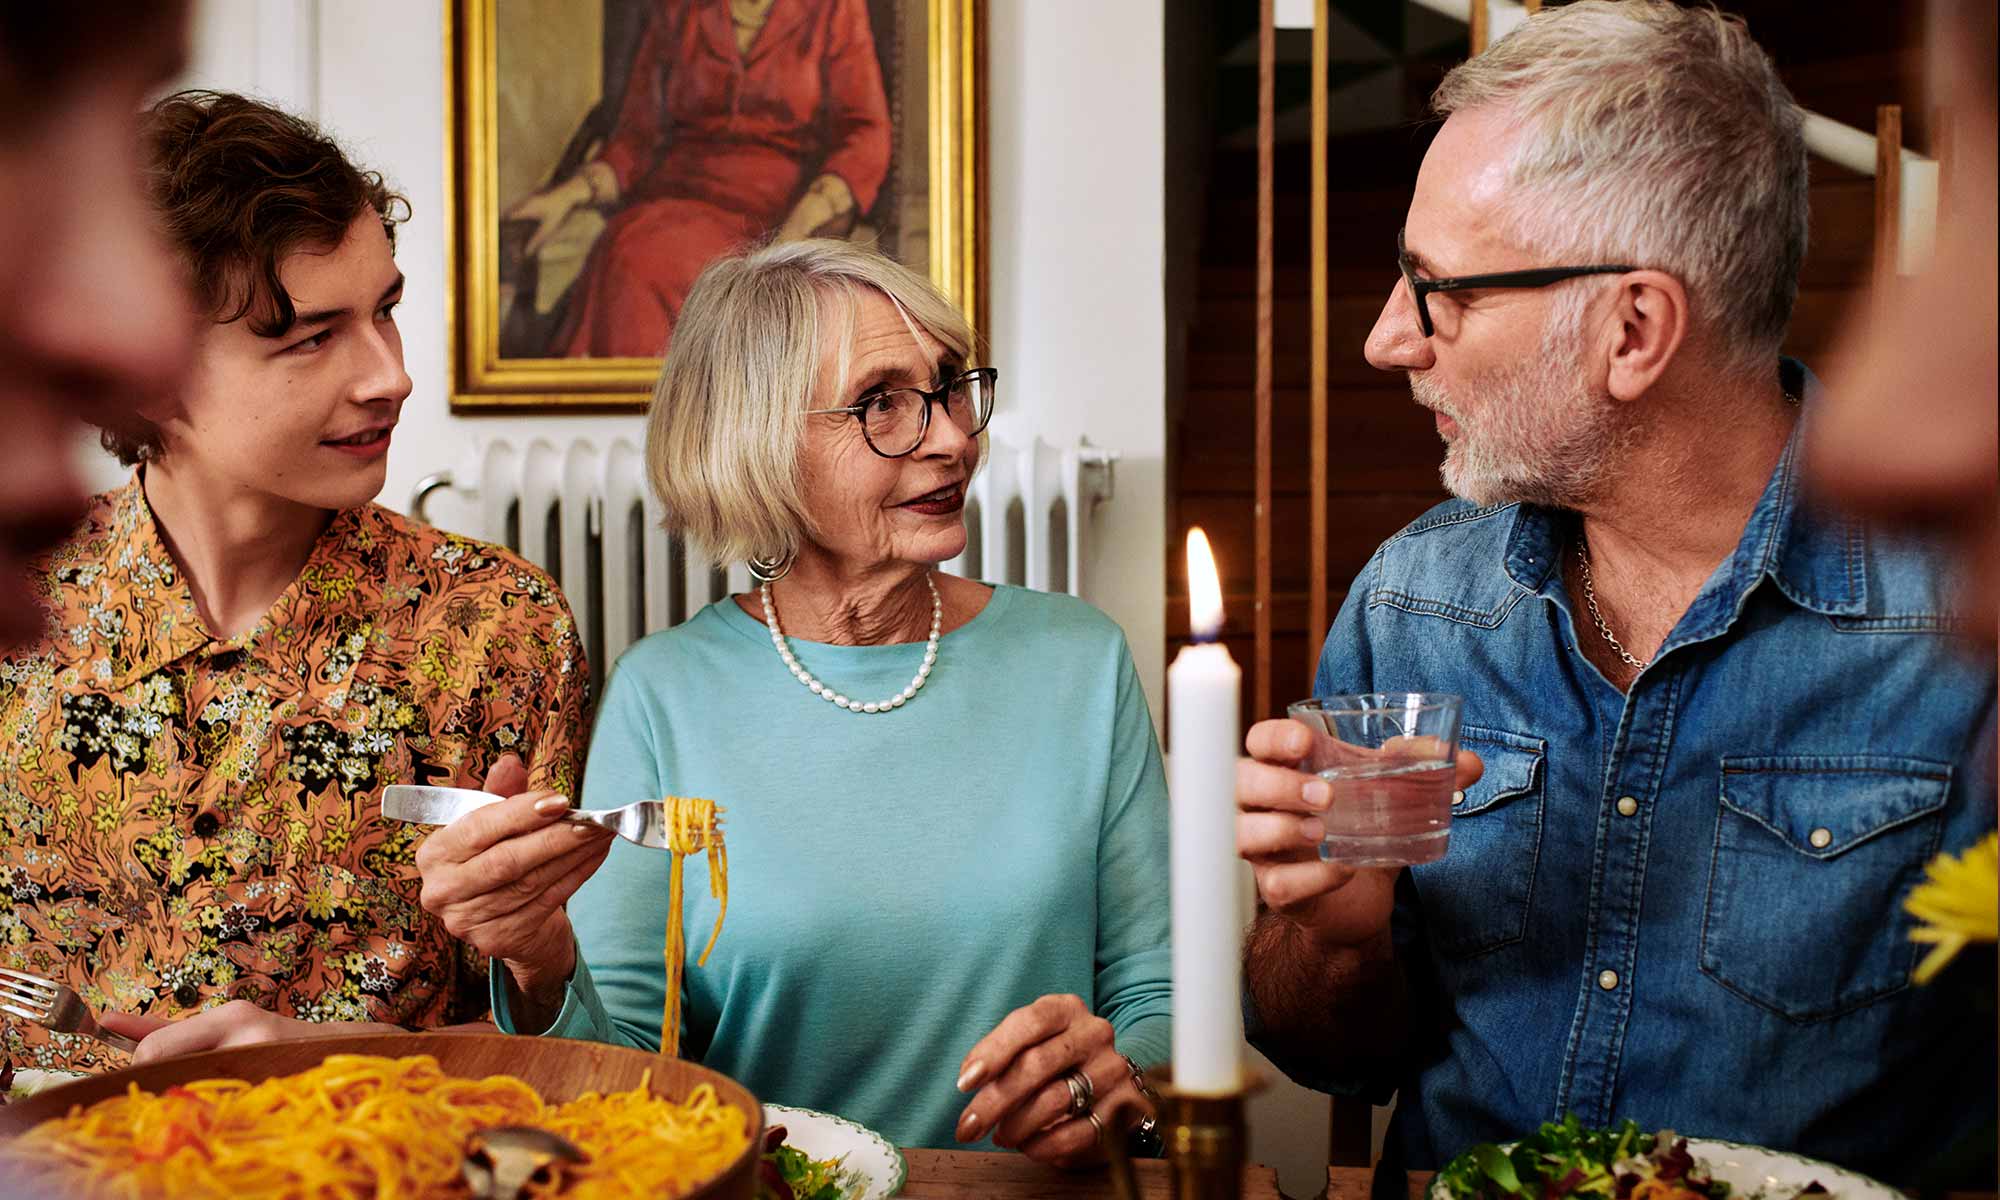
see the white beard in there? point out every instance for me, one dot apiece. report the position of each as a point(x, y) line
point(1541, 436)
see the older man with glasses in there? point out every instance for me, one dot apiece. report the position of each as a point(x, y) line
point(1721, 733)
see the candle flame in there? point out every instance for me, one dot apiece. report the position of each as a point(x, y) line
point(1204, 589)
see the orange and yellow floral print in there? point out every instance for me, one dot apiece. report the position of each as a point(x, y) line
point(186, 820)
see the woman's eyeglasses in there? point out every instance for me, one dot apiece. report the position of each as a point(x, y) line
point(895, 421)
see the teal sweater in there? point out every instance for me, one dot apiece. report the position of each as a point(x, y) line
point(898, 882)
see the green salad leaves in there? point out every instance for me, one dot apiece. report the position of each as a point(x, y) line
point(786, 1173)
point(1565, 1159)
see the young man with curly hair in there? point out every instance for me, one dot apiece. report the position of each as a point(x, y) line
point(244, 649)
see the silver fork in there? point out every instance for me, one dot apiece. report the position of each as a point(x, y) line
point(642, 822)
point(55, 1005)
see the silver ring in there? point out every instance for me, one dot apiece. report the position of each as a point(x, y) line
point(1081, 1093)
point(1095, 1123)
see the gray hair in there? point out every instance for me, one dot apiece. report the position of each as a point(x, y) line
point(727, 421)
point(1660, 136)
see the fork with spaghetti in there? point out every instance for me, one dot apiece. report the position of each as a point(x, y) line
point(679, 825)
point(691, 826)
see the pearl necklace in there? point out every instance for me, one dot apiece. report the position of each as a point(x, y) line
point(826, 693)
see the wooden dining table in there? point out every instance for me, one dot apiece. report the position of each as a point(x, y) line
point(1352, 1183)
point(971, 1175)
point(982, 1175)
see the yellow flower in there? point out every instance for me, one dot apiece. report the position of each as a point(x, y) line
point(1958, 904)
point(320, 902)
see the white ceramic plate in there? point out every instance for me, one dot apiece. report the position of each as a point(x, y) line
point(1749, 1169)
point(871, 1169)
point(30, 1080)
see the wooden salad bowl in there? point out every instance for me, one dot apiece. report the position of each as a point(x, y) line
point(558, 1069)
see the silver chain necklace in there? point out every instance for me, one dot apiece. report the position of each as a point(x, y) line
point(1590, 599)
point(837, 699)
point(1590, 593)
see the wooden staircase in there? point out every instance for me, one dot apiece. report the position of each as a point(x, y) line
point(1384, 450)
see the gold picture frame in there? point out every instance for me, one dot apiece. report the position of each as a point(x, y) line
point(484, 379)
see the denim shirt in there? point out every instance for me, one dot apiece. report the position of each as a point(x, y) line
point(1684, 905)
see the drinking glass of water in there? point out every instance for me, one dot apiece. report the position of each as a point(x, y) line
point(1390, 758)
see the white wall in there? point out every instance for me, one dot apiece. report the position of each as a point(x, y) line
point(1077, 165)
point(1076, 97)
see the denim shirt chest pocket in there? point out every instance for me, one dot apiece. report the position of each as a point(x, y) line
point(1813, 857)
point(1476, 898)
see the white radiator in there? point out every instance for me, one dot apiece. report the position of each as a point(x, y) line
point(585, 515)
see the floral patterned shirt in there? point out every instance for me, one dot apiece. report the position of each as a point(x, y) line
point(186, 819)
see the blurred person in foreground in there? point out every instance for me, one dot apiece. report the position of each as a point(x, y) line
point(946, 825)
point(1909, 435)
point(92, 315)
point(76, 242)
point(1721, 732)
point(244, 649)
point(1910, 432)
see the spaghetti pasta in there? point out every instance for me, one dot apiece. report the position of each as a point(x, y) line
point(364, 1126)
point(692, 826)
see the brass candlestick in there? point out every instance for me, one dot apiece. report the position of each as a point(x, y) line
point(1207, 1140)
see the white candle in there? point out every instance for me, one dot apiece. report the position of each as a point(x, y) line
point(1202, 689)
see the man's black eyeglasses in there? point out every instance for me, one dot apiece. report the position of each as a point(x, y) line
point(1421, 288)
point(895, 421)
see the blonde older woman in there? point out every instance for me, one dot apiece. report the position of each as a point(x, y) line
point(947, 834)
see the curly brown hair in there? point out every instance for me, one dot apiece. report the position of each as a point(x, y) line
point(239, 186)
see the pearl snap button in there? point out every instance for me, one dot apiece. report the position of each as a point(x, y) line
point(1608, 980)
point(1820, 838)
point(1627, 806)
point(1457, 798)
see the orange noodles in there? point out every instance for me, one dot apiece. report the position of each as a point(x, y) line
point(364, 1126)
point(692, 826)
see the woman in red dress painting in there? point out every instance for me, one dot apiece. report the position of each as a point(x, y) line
point(744, 119)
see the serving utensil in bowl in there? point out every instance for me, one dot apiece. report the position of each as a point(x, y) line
point(500, 1162)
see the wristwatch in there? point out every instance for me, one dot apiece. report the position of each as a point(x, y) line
point(1144, 1140)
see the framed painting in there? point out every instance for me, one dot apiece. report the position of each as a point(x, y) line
point(604, 151)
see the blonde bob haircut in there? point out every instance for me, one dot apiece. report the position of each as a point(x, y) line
point(728, 415)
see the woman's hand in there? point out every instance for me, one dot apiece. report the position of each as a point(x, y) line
point(498, 878)
point(548, 209)
point(1025, 1101)
point(821, 211)
point(237, 1023)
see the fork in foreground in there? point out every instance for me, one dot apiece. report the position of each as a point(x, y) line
point(56, 1006)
